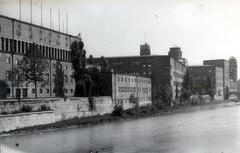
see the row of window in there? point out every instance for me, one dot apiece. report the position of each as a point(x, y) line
point(45, 76)
point(134, 89)
point(54, 90)
point(8, 90)
point(49, 36)
point(128, 79)
point(21, 47)
point(120, 101)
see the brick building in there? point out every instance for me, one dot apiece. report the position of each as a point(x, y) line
point(204, 75)
point(224, 64)
point(162, 69)
point(15, 38)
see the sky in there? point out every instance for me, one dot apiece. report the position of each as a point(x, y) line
point(204, 29)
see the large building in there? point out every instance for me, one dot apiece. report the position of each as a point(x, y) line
point(224, 64)
point(176, 53)
point(15, 38)
point(233, 69)
point(125, 85)
point(163, 70)
point(207, 79)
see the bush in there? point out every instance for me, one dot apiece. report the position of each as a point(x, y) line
point(26, 108)
point(118, 111)
point(44, 108)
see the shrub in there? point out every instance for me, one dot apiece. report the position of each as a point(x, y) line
point(118, 111)
point(26, 108)
point(44, 108)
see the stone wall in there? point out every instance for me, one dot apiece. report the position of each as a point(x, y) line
point(61, 109)
point(15, 121)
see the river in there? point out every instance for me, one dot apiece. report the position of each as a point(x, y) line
point(206, 129)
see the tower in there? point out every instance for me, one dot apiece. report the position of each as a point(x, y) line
point(145, 49)
point(233, 69)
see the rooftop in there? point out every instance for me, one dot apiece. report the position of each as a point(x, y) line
point(17, 20)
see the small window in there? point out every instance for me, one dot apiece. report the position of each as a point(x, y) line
point(33, 90)
point(71, 90)
point(8, 91)
point(47, 90)
point(66, 91)
point(8, 60)
point(40, 90)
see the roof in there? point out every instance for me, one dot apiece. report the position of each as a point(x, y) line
point(215, 60)
point(2, 16)
point(138, 56)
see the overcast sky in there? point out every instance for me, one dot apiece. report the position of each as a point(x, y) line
point(204, 29)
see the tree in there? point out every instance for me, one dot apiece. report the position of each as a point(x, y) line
point(186, 86)
point(59, 80)
point(104, 65)
point(210, 88)
point(18, 79)
point(176, 91)
point(3, 89)
point(134, 101)
point(167, 94)
point(32, 67)
point(227, 93)
point(90, 59)
point(79, 65)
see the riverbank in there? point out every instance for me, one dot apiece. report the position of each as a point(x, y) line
point(94, 120)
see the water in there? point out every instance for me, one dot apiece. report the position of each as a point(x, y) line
point(207, 129)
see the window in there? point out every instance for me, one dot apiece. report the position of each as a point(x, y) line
point(54, 90)
point(6, 44)
point(8, 60)
point(8, 91)
point(33, 90)
point(2, 42)
point(66, 78)
point(66, 91)
point(47, 90)
point(17, 61)
point(40, 90)
point(19, 47)
point(71, 79)
point(71, 90)
point(8, 76)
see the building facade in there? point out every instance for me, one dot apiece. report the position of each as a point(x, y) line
point(15, 38)
point(125, 85)
point(224, 64)
point(206, 79)
point(163, 70)
point(233, 69)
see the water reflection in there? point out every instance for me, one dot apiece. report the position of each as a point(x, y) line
point(208, 129)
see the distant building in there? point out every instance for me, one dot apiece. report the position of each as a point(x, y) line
point(162, 69)
point(233, 69)
point(145, 49)
point(205, 76)
point(224, 64)
point(125, 85)
point(176, 53)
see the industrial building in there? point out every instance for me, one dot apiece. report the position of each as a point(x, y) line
point(15, 38)
point(162, 69)
point(207, 79)
point(224, 64)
